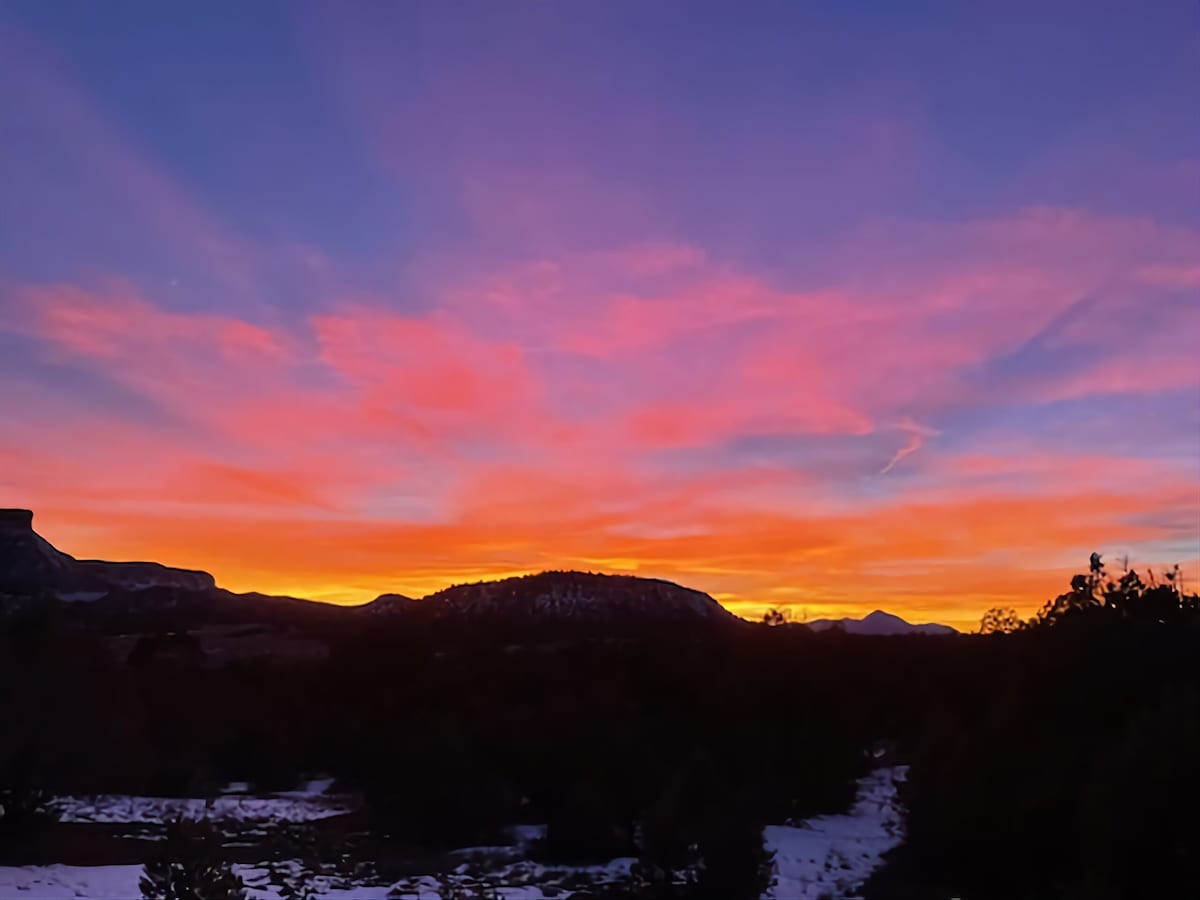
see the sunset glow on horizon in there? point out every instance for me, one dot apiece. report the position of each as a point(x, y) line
point(342, 299)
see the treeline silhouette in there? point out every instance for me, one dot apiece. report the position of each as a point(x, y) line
point(1065, 761)
point(1101, 598)
point(1051, 759)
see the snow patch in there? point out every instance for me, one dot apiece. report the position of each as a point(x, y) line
point(299, 806)
point(833, 856)
point(828, 856)
point(56, 882)
point(81, 596)
point(317, 787)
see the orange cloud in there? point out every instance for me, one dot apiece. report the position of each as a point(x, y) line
point(852, 562)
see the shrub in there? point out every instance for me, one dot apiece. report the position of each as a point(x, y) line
point(703, 840)
point(25, 810)
point(587, 828)
point(735, 864)
point(1138, 820)
point(446, 799)
point(190, 866)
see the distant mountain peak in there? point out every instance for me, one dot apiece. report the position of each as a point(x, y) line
point(879, 622)
point(880, 616)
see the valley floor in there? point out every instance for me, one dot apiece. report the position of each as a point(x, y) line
point(828, 856)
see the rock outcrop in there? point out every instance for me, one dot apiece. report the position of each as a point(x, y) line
point(31, 566)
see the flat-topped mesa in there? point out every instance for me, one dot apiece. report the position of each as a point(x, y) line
point(16, 520)
point(31, 565)
point(136, 576)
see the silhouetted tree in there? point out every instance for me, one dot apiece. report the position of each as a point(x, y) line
point(702, 839)
point(1138, 821)
point(588, 828)
point(1098, 597)
point(26, 809)
point(734, 862)
point(1000, 621)
point(668, 831)
point(774, 617)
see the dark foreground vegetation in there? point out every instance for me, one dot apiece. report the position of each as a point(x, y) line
point(1057, 758)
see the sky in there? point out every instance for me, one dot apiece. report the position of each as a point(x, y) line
point(822, 306)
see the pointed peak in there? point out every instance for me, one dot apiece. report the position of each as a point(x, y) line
point(879, 622)
point(880, 616)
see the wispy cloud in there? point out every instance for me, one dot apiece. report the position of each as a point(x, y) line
point(916, 440)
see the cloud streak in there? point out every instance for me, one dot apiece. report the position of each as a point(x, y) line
point(916, 440)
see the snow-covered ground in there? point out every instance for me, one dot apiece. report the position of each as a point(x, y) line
point(829, 856)
point(832, 856)
point(120, 882)
point(57, 882)
point(310, 802)
point(517, 881)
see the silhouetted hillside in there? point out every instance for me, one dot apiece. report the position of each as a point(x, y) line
point(147, 596)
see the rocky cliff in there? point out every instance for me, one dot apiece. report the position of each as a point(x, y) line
point(30, 565)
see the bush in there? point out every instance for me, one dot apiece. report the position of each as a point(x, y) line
point(670, 827)
point(702, 840)
point(735, 864)
point(440, 795)
point(1138, 810)
point(25, 814)
point(26, 811)
point(587, 828)
point(190, 866)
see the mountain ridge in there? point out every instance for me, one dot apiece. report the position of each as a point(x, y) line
point(144, 594)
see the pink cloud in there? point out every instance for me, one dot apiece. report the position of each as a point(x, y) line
point(1170, 276)
point(119, 321)
point(625, 323)
point(1171, 371)
point(429, 367)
